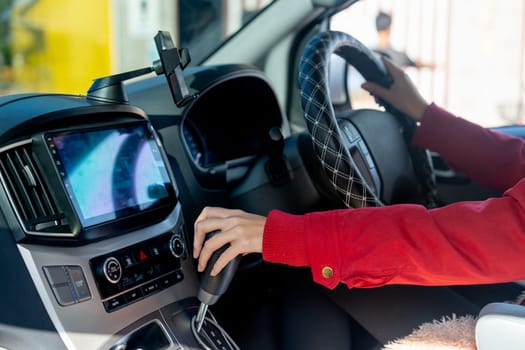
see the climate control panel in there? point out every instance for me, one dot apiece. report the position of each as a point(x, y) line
point(135, 272)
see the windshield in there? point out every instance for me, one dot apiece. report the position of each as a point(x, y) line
point(62, 45)
point(206, 24)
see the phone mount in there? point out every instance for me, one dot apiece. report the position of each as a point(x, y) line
point(171, 63)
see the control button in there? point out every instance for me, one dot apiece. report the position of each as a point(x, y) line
point(142, 255)
point(128, 261)
point(139, 277)
point(78, 282)
point(168, 280)
point(155, 251)
point(151, 288)
point(327, 272)
point(64, 295)
point(133, 295)
point(127, 281)
point(114, 303)
point(177, 246)
point(179, 275)
point(112, 270)
point(150, 272)
point(55, 275)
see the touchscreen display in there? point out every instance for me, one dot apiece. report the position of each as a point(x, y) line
point(110, 173)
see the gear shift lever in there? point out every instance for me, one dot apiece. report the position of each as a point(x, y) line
point(212, 287)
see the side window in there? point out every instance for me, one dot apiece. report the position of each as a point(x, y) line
point(468, 57)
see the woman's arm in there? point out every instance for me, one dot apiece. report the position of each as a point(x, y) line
point(490, 158)
point(463, 243)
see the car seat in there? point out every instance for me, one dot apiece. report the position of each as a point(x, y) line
point(501, 326)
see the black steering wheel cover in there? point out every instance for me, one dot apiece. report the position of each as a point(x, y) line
point(321, 119)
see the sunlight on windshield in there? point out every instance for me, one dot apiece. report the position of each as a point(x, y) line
point(62, 45)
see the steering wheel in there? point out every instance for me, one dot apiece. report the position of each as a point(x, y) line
point(365, 153)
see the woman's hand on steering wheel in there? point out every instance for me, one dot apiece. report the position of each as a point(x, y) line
point(402, 94)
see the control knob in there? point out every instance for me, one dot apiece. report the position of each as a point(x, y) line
point(112, 270)
point(177, 246)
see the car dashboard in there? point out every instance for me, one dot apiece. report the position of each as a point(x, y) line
point(89, 199)
point(98, 200)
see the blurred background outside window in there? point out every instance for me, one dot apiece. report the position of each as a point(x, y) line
point(62, 45)
point(477, 48)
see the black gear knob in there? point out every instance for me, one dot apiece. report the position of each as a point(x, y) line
point(212, 287)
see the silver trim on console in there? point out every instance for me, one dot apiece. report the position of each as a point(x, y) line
point(87, 325)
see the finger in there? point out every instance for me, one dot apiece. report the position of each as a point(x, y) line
point(205, 227)
point(228, 255)
point(198, 234)
point(204, 224)
point(374, 89)
point(198, 239)
point(206, 213)
point(211, 245)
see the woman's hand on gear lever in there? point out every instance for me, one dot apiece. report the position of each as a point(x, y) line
point(244, 232)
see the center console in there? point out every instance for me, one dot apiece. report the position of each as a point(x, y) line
point(106, 292)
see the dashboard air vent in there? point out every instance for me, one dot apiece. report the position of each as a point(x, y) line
point(28, 193)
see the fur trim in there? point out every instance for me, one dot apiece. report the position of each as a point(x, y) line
point(449, 333)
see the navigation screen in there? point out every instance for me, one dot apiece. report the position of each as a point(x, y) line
point(110, 173)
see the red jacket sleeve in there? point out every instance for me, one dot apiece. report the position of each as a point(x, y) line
point(462, 243)
point(490, 158)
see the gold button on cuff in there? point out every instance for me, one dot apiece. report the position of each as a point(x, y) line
point(327, 272)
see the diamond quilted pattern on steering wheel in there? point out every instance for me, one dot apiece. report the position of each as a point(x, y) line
point(320, 115)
